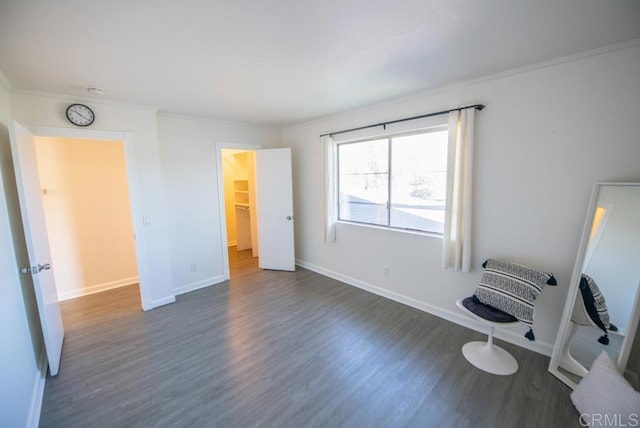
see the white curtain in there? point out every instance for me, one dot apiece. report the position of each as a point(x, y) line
point(456, 245)
point(330, 189)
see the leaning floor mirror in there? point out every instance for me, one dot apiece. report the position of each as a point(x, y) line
point(602, 307)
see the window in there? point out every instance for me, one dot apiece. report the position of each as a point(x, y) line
point(398, 181)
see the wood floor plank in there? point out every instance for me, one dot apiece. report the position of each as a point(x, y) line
point(277, 349)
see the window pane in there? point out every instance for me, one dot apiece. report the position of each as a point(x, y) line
point(418, 192)
point(363, 173)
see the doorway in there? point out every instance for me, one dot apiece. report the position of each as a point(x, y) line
point(34, 224)
point(88, 214)
point(270, 203)
point(127, 142)
point(237, 200)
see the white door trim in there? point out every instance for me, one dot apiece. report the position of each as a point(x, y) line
point(128, 140)
point(218, 146)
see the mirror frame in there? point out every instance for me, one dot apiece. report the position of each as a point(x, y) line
point(572, 294)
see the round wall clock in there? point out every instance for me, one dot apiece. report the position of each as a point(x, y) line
point(80, 115)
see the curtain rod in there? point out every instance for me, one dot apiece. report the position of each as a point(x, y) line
point(384, 124)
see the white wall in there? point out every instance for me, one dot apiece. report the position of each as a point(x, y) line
point(548, 133)
point(21, 379)
point(191, 187)
point(88, 214)
point(48, 111)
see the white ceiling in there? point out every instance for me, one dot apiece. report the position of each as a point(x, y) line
point(286, 61)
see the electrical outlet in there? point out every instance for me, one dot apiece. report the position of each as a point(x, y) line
point(193, 267)
point(386, 271)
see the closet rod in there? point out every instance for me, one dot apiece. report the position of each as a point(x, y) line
point(384, 124)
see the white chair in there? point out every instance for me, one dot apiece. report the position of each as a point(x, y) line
point(485, 355)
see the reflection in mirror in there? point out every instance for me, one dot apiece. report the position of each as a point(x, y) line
point(602, 304)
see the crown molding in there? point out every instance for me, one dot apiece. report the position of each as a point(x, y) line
point(224, 122)
point(550, 63)
point(489, 77)
point(84, 99)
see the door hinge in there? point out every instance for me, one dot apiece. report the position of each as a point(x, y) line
point(29, 270)
point(35, 269)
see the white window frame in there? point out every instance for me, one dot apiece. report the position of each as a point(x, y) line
point(388, 136)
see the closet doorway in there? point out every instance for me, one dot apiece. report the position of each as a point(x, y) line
point(238, 212)
point(238, 174)
point(256, 204)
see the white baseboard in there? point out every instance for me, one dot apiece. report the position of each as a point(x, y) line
point(97, 288)
point(185, 288)
point(38, 391)
point(199, 284)
point(158, 302)
point(507, 335)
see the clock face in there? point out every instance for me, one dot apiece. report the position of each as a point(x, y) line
point(80, 115)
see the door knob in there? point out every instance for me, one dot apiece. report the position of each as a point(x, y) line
point(45, 266)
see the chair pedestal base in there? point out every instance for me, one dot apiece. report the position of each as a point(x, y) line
point(567, 361)
point(485, 355)
point(490, 358)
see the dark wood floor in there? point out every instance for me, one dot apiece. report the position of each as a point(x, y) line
point(284, 349)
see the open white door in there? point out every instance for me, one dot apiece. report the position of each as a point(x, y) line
point(274, 203)
point(35, 232)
